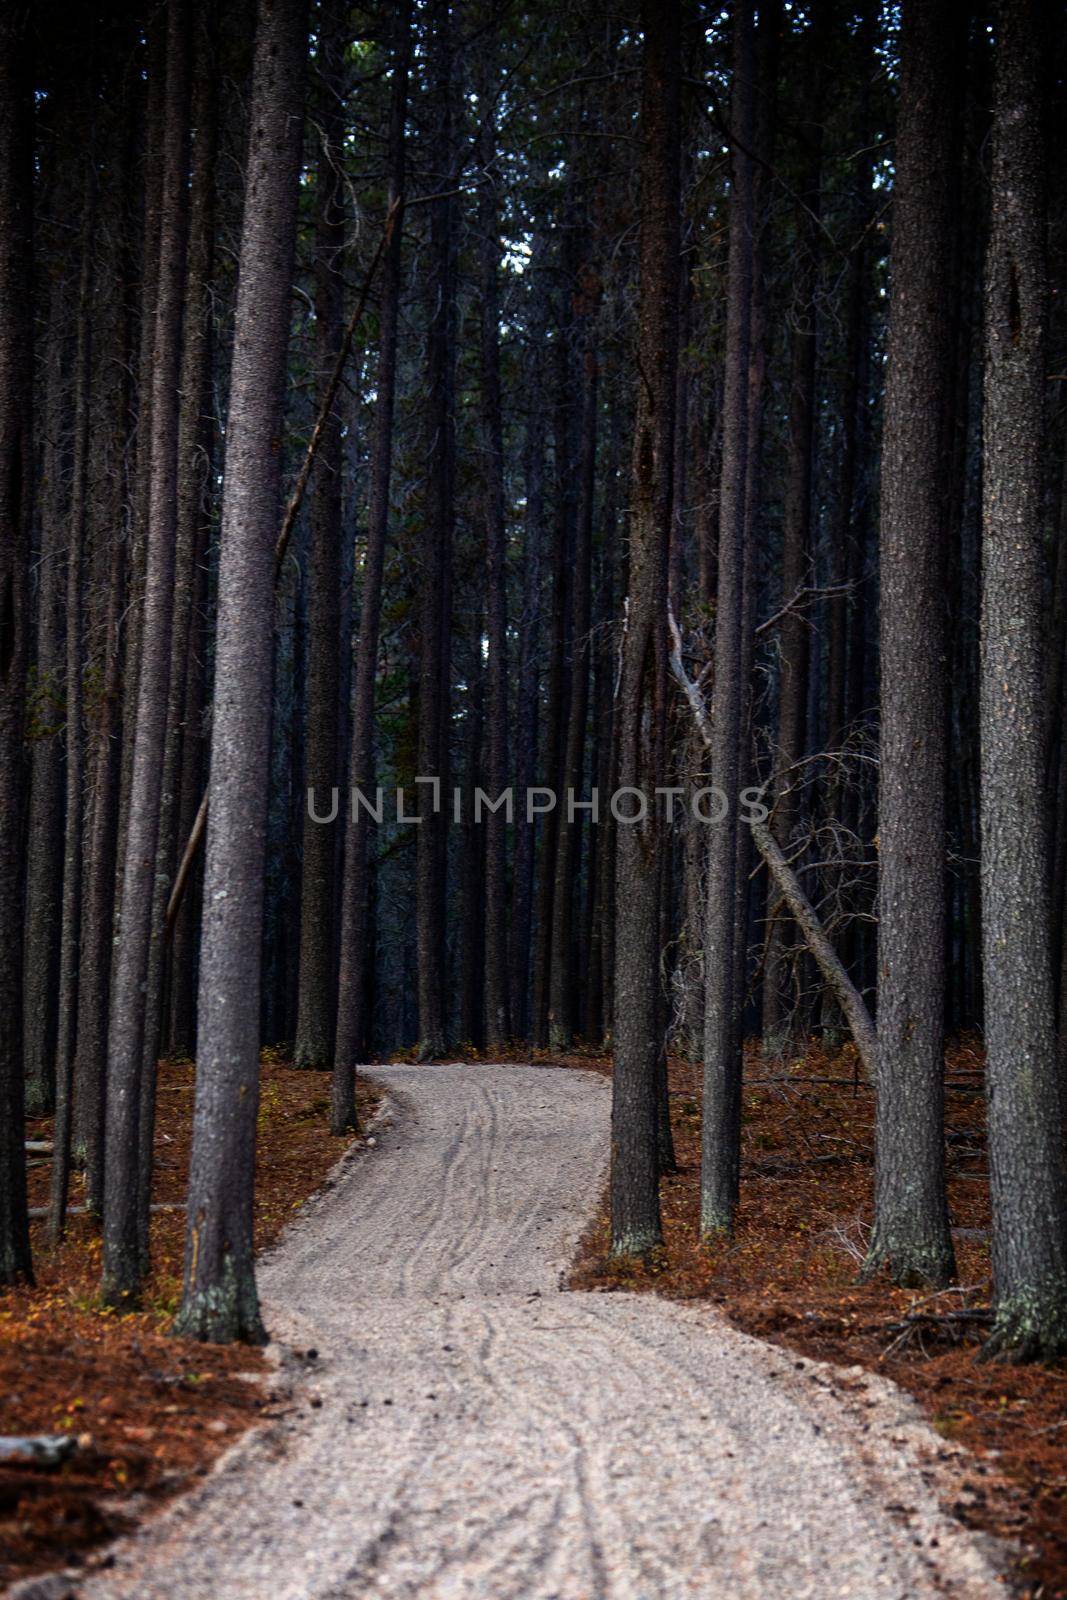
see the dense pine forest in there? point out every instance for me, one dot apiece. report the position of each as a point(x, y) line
point(525, 525)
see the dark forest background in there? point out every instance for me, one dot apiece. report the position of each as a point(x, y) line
point(636, 366)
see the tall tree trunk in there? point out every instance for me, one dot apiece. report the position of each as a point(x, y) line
point(911, 1234)
point(557, 695)
point(472, 887)
point(435, 586)
point(766, 120)
point(793, 635)
point(70, 924)
point(497, 998)
point(195, 373)
point(1028, 1183)
point(569, 827)
point(124, 1195)
point(635, 1214)
point(16, 460)
point(352, 1001)
point(844, 514)
point(153, 168)
point(185, 934)
point(183, 775)
point(44, 845)
point(601, 977)
point(219, 1301)
point(113, 405)
point(316, 1013)
point(526, 720)
point(720, 1147)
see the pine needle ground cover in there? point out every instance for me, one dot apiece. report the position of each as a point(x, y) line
point(150, 1412)
point(790, 1274)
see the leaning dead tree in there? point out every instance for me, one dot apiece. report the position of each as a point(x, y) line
point(789, 887)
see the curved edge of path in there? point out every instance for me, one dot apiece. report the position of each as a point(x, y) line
point(472, 1430)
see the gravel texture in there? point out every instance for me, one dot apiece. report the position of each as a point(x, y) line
point(467, 1430)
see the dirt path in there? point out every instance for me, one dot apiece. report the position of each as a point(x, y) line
point(469, 1432)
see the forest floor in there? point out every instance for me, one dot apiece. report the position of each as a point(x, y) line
point(153, 1412)
point(150, 1412)
point(790, 1272)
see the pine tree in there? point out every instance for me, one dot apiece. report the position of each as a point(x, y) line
point(911, 1230)
point(1028, 1182)
point(635, 1213)
point(219, 1300)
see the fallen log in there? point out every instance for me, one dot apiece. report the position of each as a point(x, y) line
point(36, 1449)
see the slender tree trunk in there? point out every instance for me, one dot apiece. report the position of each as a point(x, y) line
point(794, 633)
point(16, 458)
point(557, 695)
point(766, 120)
point(182, 783)
point(1028, 1184)
point(108, 447)
point(70, 924)
point(528, 699)
point(720, 1151)
point(435, 586)
point(497, 998)
point(639, 1045)
point(472, 887)
point(844, 515)
point(597, 1017)
point(128, 1101)
point(195, 359)
point(353, 1011)
point(316, 1014)
point(153, 168)
point(911, 1231)
point(569, 828)
point(44, 845)
point(185, 935)
point(95, 963)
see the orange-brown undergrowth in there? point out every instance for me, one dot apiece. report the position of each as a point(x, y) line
point(150, 1411)
point(789, 1274)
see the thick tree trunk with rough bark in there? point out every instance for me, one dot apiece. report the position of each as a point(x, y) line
point(1027, 1178)
point(911, 1236)
point(219, 1301)
point(639, 1045)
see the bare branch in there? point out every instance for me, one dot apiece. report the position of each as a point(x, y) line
point(848, 997)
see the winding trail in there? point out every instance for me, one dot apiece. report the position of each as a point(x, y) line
point(470, 1432)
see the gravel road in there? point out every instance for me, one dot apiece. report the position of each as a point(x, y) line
point(467, 1431)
